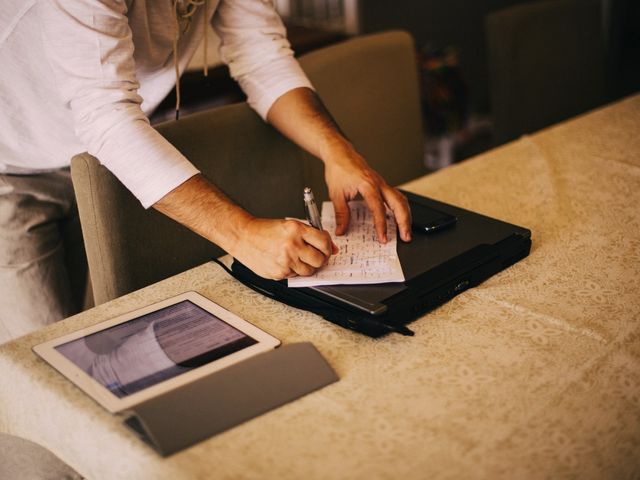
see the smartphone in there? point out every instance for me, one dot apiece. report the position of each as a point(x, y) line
point(429, 220)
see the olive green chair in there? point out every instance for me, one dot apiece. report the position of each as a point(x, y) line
point(368, 83)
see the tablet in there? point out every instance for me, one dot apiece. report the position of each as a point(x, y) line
point(142, 354)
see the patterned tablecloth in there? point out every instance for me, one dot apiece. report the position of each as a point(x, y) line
point(533, 374)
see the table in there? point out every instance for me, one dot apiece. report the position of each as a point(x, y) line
point(533, 374)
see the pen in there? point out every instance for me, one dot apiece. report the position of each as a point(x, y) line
point(312, 209)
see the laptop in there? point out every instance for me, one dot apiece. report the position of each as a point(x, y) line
point(437, 265)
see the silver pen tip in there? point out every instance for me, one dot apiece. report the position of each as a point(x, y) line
point(308, 194)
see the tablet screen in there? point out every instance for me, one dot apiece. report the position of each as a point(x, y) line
point(155, 347)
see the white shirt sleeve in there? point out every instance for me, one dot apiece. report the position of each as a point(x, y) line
point(255, 47)
point(89, 46)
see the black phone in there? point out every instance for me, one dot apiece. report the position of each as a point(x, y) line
point(429, 220)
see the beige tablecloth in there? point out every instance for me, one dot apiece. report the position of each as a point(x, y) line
point(533, 374)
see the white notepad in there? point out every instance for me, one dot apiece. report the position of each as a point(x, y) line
point(362, 259)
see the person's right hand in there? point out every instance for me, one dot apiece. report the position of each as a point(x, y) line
point(278, 249)
point(273, 249)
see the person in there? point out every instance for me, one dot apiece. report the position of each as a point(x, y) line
point(83, 75)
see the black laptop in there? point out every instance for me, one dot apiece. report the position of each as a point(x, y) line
point(440, 262)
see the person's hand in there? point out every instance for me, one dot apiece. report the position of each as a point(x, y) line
point(273, 249)
point(278, 249)
point(347, 174)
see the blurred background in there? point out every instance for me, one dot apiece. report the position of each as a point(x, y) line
point(490, 70)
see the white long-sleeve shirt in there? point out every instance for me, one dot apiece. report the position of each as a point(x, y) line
point(83, 75)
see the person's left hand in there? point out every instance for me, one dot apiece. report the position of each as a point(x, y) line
point(348, 174)
point(300, 115)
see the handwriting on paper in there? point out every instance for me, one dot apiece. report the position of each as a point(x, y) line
point(361, 259)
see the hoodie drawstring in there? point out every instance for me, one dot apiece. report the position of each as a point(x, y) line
point(184, 10)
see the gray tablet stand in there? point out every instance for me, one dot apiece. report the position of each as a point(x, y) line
point(221, 400)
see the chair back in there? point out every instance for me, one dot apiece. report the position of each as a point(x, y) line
point(546, 64)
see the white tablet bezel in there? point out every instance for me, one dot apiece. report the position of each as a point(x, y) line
point(47, 351)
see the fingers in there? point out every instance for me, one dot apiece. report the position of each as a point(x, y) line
point(321, 242)
point(347, 175)
point(301, 268)
point(374, 201)
point(308, 249)
point(343, 214)
point(399, 205)
point(279, 249)
point(375, 193)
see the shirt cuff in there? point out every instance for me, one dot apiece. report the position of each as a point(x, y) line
point(170, 179)
point(145, 162)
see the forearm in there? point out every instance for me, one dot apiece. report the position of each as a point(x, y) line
point(302, 117)
point(272, 248)
point(203, 208)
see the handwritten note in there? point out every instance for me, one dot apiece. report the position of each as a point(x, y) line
point(362, 259)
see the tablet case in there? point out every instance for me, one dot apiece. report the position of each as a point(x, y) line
point(437, 266)
point(294, 297)
point(223, 399)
